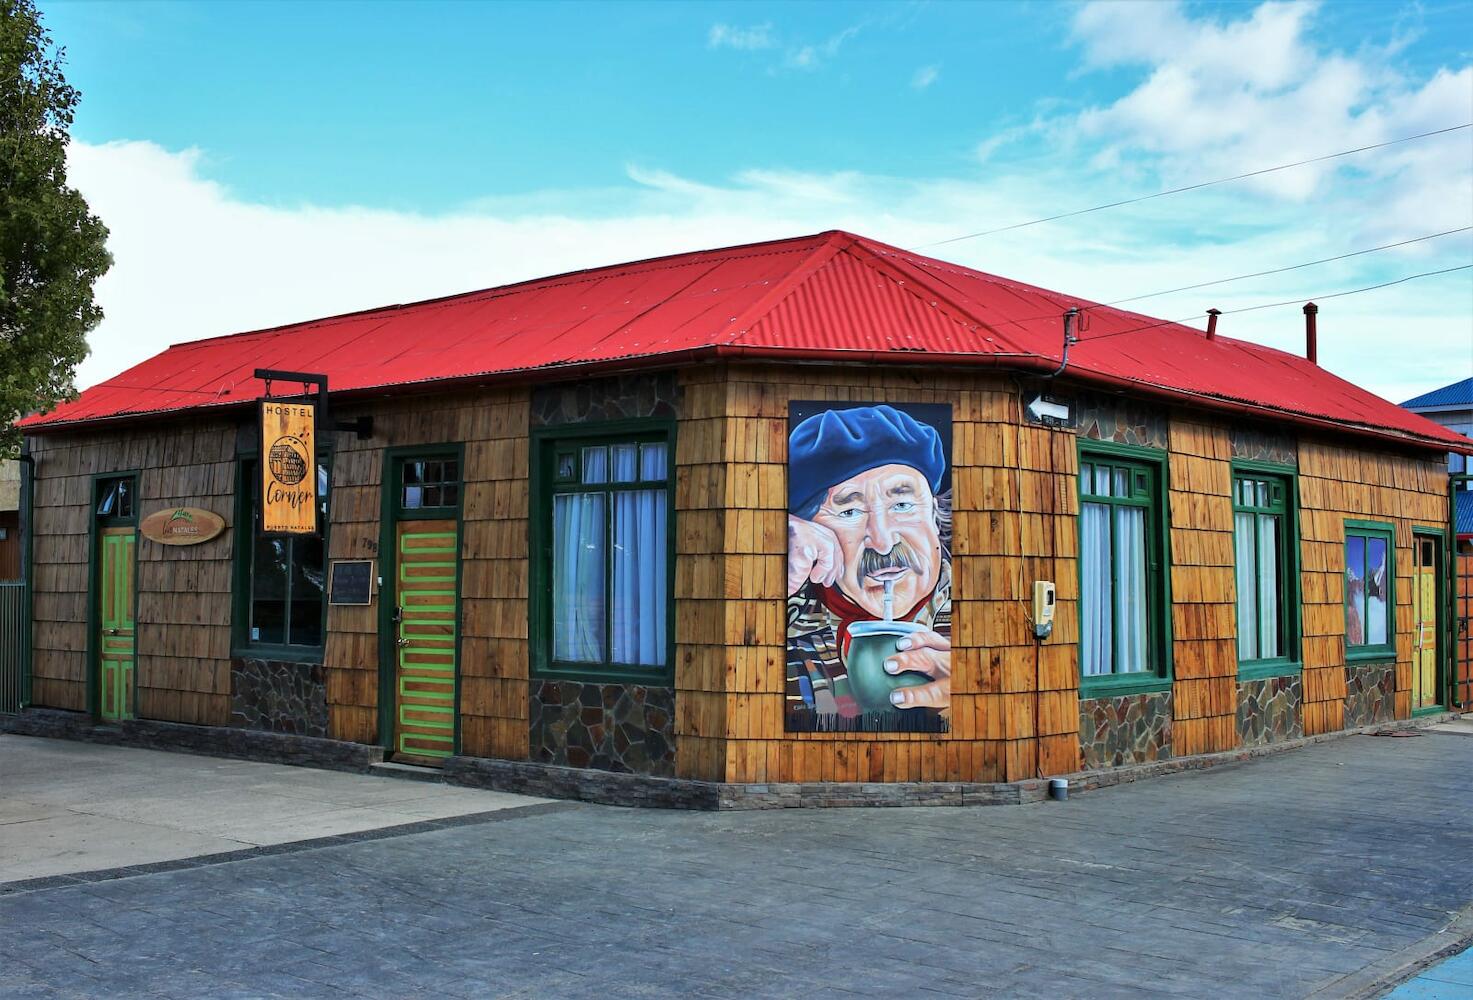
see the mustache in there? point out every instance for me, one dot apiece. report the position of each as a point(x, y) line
point(900, 556)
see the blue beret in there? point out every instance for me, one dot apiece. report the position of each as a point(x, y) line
point(835, 445)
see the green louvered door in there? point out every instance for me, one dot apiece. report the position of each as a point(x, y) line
point(425, 575)
point(115, 616)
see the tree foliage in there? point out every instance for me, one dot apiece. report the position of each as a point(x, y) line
point(52, 248)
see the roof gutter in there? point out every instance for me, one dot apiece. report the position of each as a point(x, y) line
point(1021, 363)
point(1036, 364)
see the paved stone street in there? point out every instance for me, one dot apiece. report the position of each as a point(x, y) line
point(1283, 877)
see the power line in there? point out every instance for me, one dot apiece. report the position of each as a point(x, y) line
point(1353, 291)
point(1194, 187)
point(1020, 320)
point(1273, 305)
point(1291, 267)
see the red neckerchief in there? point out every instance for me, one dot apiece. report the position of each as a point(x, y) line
point(839, 603)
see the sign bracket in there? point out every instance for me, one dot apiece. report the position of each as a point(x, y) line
point(362, 427)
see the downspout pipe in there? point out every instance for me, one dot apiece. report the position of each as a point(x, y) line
point(27, 533)
point(1069, 338)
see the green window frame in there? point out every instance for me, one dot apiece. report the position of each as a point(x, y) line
point(1266, 534)
point(302, 562)
point(1124, 623)
point(1370, 590)
point(428, 483)
point(584, 472)
point(115, 500)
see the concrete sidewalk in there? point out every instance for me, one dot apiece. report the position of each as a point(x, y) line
point(1457, 727)
point(76, 807)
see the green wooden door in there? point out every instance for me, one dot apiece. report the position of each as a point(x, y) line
point(425, 576)
point(116, 645)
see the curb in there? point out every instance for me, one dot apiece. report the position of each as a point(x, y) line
point(1382, 977)
point(290, 847)
point(639, 790)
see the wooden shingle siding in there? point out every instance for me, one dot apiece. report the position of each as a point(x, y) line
point(1000, 722)
point(183, 666)
point(1015, 709)
point(707, 624)
point(1203, 613)
point(1015, 522)
point(1341, 481)
point(493, 426)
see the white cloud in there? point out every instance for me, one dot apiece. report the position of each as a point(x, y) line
point(194, 260)
point(924, 77)
point(811, 57)
point(754, 37)
point(1264, 48)
point(827, 189)
point(806, 56)
point(1224, 96)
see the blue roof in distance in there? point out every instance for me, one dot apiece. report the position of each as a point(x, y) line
point(1457, 394)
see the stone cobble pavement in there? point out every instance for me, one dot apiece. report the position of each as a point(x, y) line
point(1274, 878)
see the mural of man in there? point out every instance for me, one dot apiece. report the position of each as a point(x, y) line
point(867, 513)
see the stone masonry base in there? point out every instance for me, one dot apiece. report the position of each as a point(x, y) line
point(611, 788)
point(208, 741)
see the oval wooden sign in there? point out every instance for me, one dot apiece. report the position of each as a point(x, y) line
point(182, 526)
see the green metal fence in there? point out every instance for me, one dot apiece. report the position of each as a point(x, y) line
point(12, 643)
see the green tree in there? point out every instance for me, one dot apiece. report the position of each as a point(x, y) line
point(52, 248)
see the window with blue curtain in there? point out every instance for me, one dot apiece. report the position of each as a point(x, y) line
point(1119, 571)
point(610, 548)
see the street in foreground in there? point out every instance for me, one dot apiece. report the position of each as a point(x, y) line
point(1316, 872)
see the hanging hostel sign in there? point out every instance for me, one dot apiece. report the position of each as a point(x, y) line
point(288, 466)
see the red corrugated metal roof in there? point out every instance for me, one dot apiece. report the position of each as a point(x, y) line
point(832, 295)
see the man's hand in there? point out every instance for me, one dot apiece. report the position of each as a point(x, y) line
point(813, 555)
point(928, 653)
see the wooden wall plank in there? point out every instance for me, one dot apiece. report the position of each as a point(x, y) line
point(183, 610)
point(495, 427)
point(1338, 481)
point(1014, 505)
point(1015, 704)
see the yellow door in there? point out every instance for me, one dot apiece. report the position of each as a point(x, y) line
point(1424, 645)
point(115, 615)
point(425, 585)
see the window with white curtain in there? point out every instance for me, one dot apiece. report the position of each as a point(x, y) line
point(1119, 574)
point(610, 546)
point(1262, 536)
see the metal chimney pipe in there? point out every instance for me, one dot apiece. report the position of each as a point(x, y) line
point(1311, 340)
point(1212, 315)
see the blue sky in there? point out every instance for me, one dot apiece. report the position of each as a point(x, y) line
point(338, 155)
point(434, 105)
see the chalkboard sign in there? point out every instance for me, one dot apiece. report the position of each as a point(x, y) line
point(350, 582)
